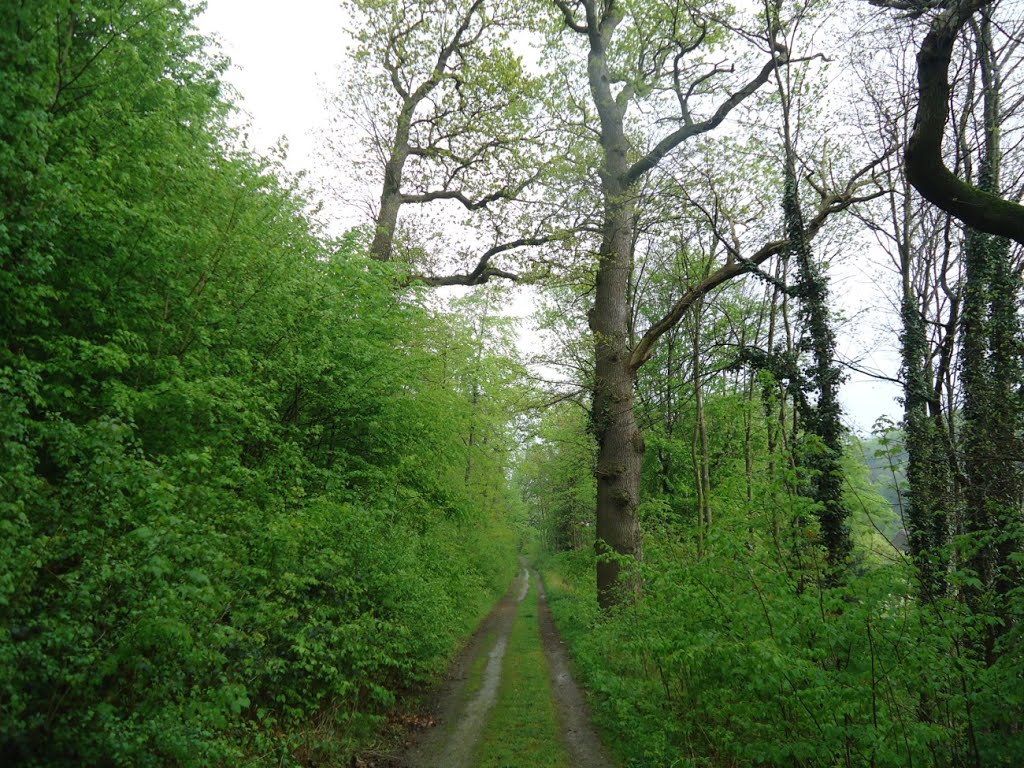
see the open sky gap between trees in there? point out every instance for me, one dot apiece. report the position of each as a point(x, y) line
point(260, 481)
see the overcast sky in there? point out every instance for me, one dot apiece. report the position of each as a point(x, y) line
point(286, 56)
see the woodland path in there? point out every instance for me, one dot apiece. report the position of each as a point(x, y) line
point(509, 700)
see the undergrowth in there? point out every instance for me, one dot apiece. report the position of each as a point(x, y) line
point(726, 661)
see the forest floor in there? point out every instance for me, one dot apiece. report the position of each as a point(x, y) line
point(508, 700)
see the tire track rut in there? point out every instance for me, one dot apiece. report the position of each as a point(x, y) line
point(461, 715)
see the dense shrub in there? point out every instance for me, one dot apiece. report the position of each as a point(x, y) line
point(235, 524)
point(726, 661)
point(738, 653)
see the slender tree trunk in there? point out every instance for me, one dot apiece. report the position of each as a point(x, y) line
point(991, 372)
point(474, 390)
point(823, 418)
point(702, 481)
point(929, 476)
point(665, 451)
point(746, 385)
point(1006, 350)
point(775, 423)
point(981, 454)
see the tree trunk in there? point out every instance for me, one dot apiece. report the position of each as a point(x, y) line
point(823, 418)
point(929, 475)
point(979, 207)
point(382, 247)
point(665, 466)
point(620, 443)
point(702, 480)
point(991, 367)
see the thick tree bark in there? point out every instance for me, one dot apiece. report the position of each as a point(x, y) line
point(620, 443)
point(383, 244)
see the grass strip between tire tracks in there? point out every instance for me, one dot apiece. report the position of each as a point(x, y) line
point(524, 730)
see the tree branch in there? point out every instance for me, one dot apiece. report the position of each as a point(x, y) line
point(690, 129)
point(506, 193)
point(483, 270)
point(471, 278)
point(732, 268)
point(456, 194)
point(925, 166)
point(570, 18)
point(736, 266)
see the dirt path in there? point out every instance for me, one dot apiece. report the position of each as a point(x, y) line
point(460, 719)
point(464, 703)
point(585, 748)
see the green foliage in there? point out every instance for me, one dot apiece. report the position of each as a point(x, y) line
point(555, 476)
point(232, 530)
point(739, 652)
point(726, 662)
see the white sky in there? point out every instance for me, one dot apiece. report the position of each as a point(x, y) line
point(286, 56)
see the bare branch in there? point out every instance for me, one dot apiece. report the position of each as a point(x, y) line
point(912, 8)
point(736, 266)
point(471, 278)
point(690, 129)
point(570, 18)
point(458, 195)
point(483, 270)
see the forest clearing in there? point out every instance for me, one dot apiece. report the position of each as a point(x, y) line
point(281, 492)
